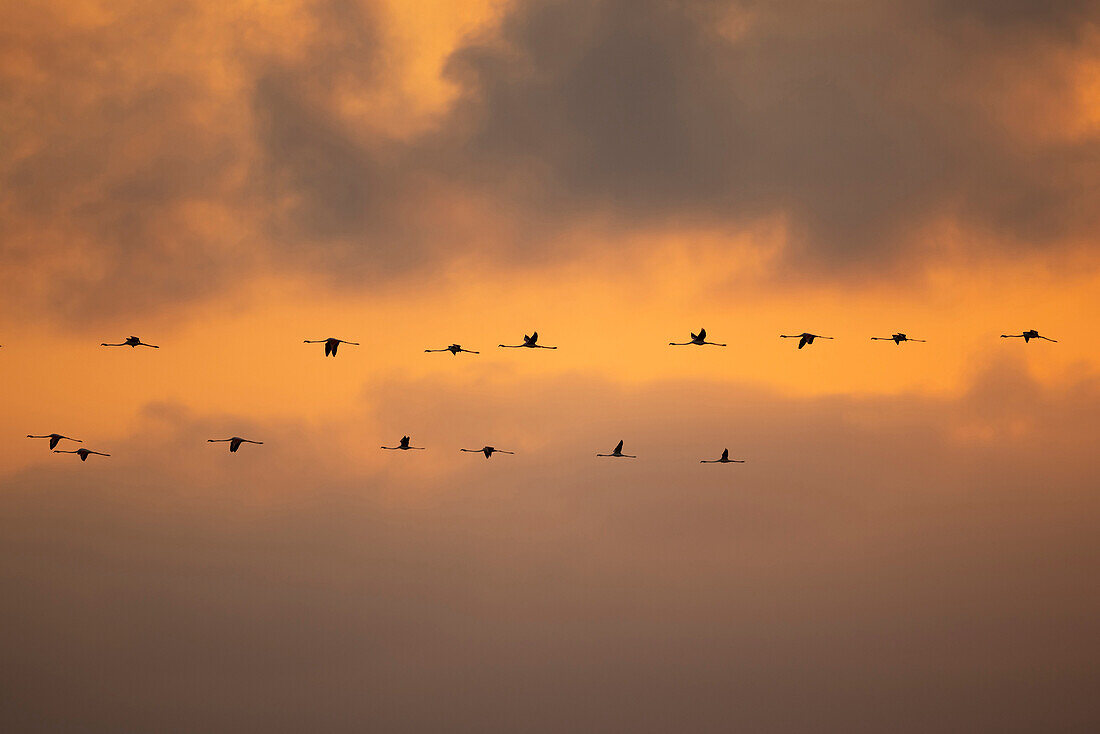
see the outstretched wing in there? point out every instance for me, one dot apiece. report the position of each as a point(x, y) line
point(702, 333)
point(619, 447)
point(725, 454)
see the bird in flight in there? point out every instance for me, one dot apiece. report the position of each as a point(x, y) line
point(724, 460)
point(618, 452)
point(488, 451)
point(699, 339)
point(55, 438)
point(804, 338)
point(1028, 336)
point(82, 453)
point(528, 341)
point(131, 341)
point(331, 344)
point(453, 349)
point(403, 446)
point(234, 442)
point(896, 338)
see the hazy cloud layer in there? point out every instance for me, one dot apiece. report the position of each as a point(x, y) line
point(152, 155)
point(894, 563)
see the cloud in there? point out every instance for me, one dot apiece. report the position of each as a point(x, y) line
point(861, 124)
point(868, 551)
point(159, 156)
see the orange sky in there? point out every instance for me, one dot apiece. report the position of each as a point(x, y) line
point(227, 179)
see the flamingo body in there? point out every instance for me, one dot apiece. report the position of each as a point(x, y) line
point(403, 445)
point(488, 451)
point(55, 438)
point(696, 339)
point(618, 452)
point(725, 459)
point(529, 342)
point(804, 338)
point(454, 349)
point(331, 344)
point(82, 453)
point(130, 341)
point(234, 442)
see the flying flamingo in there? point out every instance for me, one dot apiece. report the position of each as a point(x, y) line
point(453, 349)
point(618, 453)
point(488, 451)
point(331, 344)
point(131, 341)
point(528, 341)
point(724, 460)
point(234, 442)
point(699, 339)
point(82, 453)
point(55, 438)
point(403, 446)
point(896, 338)
point(1028, 336)
point(804, 338)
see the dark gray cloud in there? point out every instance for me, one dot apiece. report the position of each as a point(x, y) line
point(886, 563)
point(859, 122)
point(134, 177)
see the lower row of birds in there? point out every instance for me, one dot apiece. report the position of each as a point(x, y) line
point(405, 444)
point(332, 344)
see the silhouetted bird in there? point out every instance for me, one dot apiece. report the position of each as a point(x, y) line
point(618, 453)
point(331, 344)
point(488, 451)
point(896, 338)
point(131, 341)
point(82, 453)
point(528, 341)
point(1028, 336)
point(403, 446)
point(55, 438)
point(804, 338)
point(699, 339)
point(453, 349)
point(724, 460)
point(234, 442)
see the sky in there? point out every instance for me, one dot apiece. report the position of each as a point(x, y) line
point(910, 546)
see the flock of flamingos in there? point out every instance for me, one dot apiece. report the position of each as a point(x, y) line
point(529, 342)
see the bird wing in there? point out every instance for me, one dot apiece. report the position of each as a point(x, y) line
point(619, 446)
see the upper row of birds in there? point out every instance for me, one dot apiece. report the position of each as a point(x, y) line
point(530, 342)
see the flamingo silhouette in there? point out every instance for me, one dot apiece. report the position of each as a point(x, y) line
point(82, 453)
point(331, 344)
point(234, 442)
point(453, 349)
point(403, 446)
point(724, 460)
point(698, 339)
point(1028, 336)
point(618, 452)
point(804, 338)
point(488, 451)
point(528, 341)
point(55, 438)
point(131, 341)
point(896, 338)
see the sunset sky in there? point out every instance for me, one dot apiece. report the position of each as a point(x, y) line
point(911, 545)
